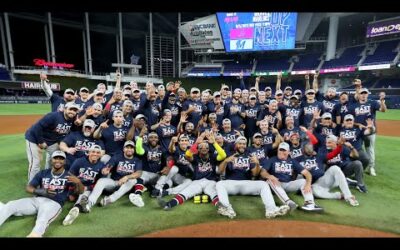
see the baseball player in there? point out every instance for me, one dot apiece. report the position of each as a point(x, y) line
point(228, 133)
point(216, 106)
point(240, 169)
point(165, 130)
point(113, 135)
point(169, 102)
point(294, 110)
point(83, 98)
point(193, 107)
point(235, 111)
point(46, 134)
point(289, 128)
point(87, 169)
point(279, 172)
point(252, 110)
point(272, 115)
point(76, 144)
point(57, 103)
point(51, 187)
point(125, 170)
point(204, 177)
point(324, 180)
point(309, 107)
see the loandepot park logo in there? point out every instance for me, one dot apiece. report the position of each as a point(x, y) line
point(384, 29)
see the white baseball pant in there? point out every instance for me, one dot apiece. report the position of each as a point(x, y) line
point(291, 186)
point(110, 185)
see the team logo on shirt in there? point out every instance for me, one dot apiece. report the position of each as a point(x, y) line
point(167, 131)
point(63, 128)
point(126, 167)
point(335, 160)
point(294, 153)
point(310, 164)
point(363, 110)
point(154, 109)
point(242, 163)
point(182, 160)
point(54, 184)
point(220, 111)
point(344, 109)
point(310, 110)
point(198, 108)
point(283, 168)
point(326, 131)
point(119, 135)
point(174, 111)
point(349, 135)
point(267, 140)
point(115, 107)
point(251, 113)
point(204, 167)
point(328, 105)
point(229, 138)
point(292, 112)
point(83, 145)
point(259, 153)
point(87, 174)
point(60, 107)
point(154, 155)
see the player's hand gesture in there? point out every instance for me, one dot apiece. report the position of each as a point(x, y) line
point(382, 96)
point(274, 131)
point(316, 114)
point(307, 77)
point(307, 188)
point(42, 145)
point(174, 139)
point(237, 132)
point(90, 111)
point(279, 76)
point(348, 144)
point(71, 151)
point(231, 158)
point(123, 180)
point(316, 75)
point(165, 171)
point(43, 77)
point(258, 78)
point(106, 170)
point(304, 129)
point(118, 75)
point(341, 140)
point(143, 131)
point(210, 137)
point(104, 124)
point(254, 160)
point(184, 117)
point(72, 178)
point(191, 108)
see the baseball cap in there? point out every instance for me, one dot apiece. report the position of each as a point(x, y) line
point(267, 89)
point(294, 135)
point(252, 97)
point(165, 111)
point(216, 93)
point(343, 93)
point(326, 115)
point(241, 139)
point(97, 106)
point(183, 136)
point(225, 88)
point(207, 90)
point(218, 135)
point(212, 115)
point(279, 92)
point(348, 116)
point(58, 153)
point(89, 123)
point(98, 92)
point(117, 112)
point(237, 90)
point(284, 145)
point(182, 90)
point(172, 94)
point(297, 91)
point(69, 91)
point(129, 143)
point(161, 87)
point(84, 88)
point(141, 116)
point(127, 92)
point(310, 91)
point(273, 101)
point(71, 105)
point(288, 87)
point(294, 96)
point(194, 90)
point(153, 134)
point(127, 86)
point(331, 138)
point(253, 89)
point(226, 120)
point(95, 148)
point(364, 90)
point(332, 89)
point(257, 135)
point(127, 102)
point(135, 90)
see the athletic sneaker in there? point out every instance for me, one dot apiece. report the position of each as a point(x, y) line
point(351, 182)
point(72, 215)
point(362, 188)
point(136, 200)
point(282, 210)
point(372, 172)
point(226, 211)
point(155, 193)
point(311, 207)
point(105, 201)
point(292, 205)
point(85, 204)
point(163, 204)
point(271, 214)
point(352, 201)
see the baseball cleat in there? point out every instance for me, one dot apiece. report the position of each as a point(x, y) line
point(352, 201)
point(85, 204)
point(282, 210)
point(136, 200)
point(311, 207)
point(271, 214)
point(72, 215)
point(163, 204)
point(372, 172)
point(155, 193)
point(105, 201)
point(362, 188)
point(292, 205)
point(226, 211)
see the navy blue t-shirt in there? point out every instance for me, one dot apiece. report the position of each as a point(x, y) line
point(114, 139)
point(204, 168)
point(57, 103)
point(86, 171)
point(165, 133)
point(236, 119)
point(52, 128)
point(55, 183)
point(199, 110)
point(181, 162)
point(314, 164)
point(154, 159)
point(122, 166)
point(240, 168)
point(308, 110)
point(354, 136)
point(340, 160)
point(284, 170)
point(362, 112)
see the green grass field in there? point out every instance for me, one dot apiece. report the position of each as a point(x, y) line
point(378, 209)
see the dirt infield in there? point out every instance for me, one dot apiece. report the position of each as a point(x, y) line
point(269, 228)
point(16, 124)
